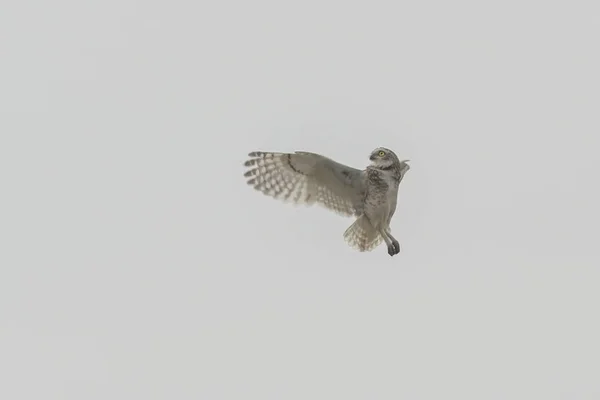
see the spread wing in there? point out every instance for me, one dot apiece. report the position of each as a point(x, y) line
point(308, 178)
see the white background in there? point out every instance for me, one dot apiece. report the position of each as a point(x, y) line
point(135, 263)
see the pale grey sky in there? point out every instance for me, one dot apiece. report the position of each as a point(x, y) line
point(137, 264)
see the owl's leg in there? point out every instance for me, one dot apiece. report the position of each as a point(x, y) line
point(395, 243)
point(389, 241)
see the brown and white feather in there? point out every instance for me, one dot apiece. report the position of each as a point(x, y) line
point(307, 178)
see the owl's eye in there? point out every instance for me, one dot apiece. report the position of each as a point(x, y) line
point(381, 153)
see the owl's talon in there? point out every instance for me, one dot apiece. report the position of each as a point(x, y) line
point(396, 246)
point(392, 250)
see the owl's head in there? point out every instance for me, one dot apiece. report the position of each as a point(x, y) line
point(384, 158)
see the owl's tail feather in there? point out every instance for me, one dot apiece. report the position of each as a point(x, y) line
point(361, 235)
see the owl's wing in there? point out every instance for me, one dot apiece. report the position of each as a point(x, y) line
point(307, 178)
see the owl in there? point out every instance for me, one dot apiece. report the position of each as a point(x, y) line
point(369, 195)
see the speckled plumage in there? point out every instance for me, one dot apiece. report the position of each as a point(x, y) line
point(308, 178)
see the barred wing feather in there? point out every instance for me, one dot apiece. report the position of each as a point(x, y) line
point(307, 178)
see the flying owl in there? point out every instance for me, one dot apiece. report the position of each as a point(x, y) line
point(307, 178)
